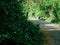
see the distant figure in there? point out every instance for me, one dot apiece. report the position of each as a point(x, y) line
point(39, 17)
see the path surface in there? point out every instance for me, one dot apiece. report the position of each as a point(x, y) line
point(52, 29)
point(47, 25)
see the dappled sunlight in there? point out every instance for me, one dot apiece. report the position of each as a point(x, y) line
point(46, 25)
point(51, 32)
point(52, 36)
point(52, 26)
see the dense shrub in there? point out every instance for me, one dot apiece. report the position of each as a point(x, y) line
point(14, 27)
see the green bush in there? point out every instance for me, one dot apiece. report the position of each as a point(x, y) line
point(14, 27)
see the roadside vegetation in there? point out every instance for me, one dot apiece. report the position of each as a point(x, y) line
point(15, 29)
point(47, 10)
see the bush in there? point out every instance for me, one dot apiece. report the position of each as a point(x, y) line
point(14, 27)
point(54, 21)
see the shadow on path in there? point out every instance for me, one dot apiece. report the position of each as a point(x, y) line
point(52, 29)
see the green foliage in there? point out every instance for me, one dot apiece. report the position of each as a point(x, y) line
point(53, 8)
point(14, 27)
point(43, 8)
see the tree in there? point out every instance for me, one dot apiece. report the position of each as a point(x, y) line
point(14, 27)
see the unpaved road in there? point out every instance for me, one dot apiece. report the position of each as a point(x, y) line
point(52, 29)
point(47, 25)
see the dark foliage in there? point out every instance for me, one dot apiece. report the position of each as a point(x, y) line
point(14, 27)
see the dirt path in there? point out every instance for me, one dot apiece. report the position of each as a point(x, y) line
point(47, 25)
point(52, 29)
